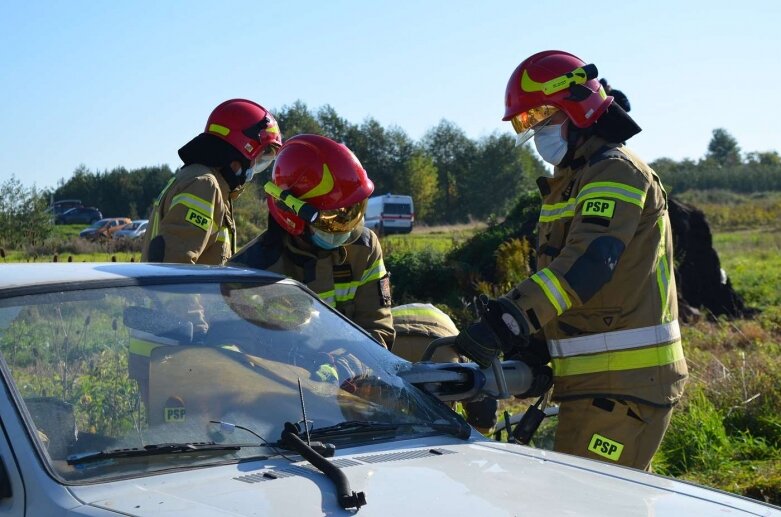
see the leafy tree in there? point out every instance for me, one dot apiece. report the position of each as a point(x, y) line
point(419, 178)
point(452, 152)
point(23, 216)
point(333, 126)
point(117, 193)
point(500, 171)
point(296, 119)
point(723, 149)
point(767, 158)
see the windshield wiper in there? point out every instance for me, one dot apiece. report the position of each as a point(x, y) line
point(158, 449)
point(353, 427)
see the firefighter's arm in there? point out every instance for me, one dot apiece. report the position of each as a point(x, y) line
point(188, 224)
point(607, 212)
point(373, 298)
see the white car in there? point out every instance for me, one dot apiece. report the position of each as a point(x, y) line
point(147, 389)
point(134, 230)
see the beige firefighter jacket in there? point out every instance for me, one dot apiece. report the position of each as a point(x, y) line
point(350, 278)
point(192, 220)
point(604, 292)
point(417, 325)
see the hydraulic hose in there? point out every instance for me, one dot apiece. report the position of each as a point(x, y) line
point(347, 498)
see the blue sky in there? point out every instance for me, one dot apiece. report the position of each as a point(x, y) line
point(110, 83)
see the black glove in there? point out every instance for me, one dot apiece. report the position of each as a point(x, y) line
point(501, 328)
point(542, 380)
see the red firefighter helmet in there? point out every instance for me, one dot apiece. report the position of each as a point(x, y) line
point(247, 126)
point(551, 81)
point(322, 173)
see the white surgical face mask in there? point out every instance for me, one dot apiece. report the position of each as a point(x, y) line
point(327, 240)
point(550, 143)
point(261, 163)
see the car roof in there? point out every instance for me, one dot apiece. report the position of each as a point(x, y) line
point(29, 278)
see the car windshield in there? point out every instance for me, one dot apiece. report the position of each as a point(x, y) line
point(397, 208)
point(152, 367)
point(98, 224)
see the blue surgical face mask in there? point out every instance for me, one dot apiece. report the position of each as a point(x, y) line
point(329, 241)
point(550, 143)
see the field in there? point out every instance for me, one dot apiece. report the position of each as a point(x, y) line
point(726, 433)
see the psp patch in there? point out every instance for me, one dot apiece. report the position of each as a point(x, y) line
point(605, 447)
point(198, 219)
point(385, 291)
point(174, 411)
point(599, 208)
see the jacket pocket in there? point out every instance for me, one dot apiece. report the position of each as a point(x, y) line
point(589, 321)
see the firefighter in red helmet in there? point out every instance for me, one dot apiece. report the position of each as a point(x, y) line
point(192, 218)
point(603, 297)
point(317, 198)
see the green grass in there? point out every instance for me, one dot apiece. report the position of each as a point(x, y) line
point(437, 239)
point(66, 231)
point(752, 259)
point(18, 256)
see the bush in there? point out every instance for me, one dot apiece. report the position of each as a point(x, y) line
point(23, 216)
point(421, 276)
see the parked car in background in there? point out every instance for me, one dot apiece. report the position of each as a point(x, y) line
point(391, 213)
point(82, 214)
point(105, 228)
point(152, 419)
point(63, 205)
point(134, 230)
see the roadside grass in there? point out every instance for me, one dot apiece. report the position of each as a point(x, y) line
point(436, 239)
point(66, 231)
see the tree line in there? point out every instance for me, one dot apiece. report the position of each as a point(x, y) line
point(724, 167)
point(452, 178)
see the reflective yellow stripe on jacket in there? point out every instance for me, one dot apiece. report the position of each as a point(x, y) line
point(597, 189)
point(663, 271)
point(345, 291)
point(620, 350)
point(196, 203)
point(156, 209)
point(224, 235)
point(553, 290)
point(611, 189)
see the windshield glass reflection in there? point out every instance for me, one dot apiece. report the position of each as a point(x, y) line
point(129, 367)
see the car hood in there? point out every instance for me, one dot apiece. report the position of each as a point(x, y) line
point(435, 476)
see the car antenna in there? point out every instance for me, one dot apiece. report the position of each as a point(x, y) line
point(303, 413)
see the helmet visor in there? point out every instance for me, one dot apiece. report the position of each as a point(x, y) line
point(340, 219)
point(262, 161)
point(526, 123)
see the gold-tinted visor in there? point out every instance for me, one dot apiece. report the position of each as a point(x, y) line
point(528, 119)
point(525, 123)
point(340, 219)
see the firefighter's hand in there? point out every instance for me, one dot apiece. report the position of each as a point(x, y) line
point(501, 328)
point(335, 368)
point(479, 343)
point(542, 380)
